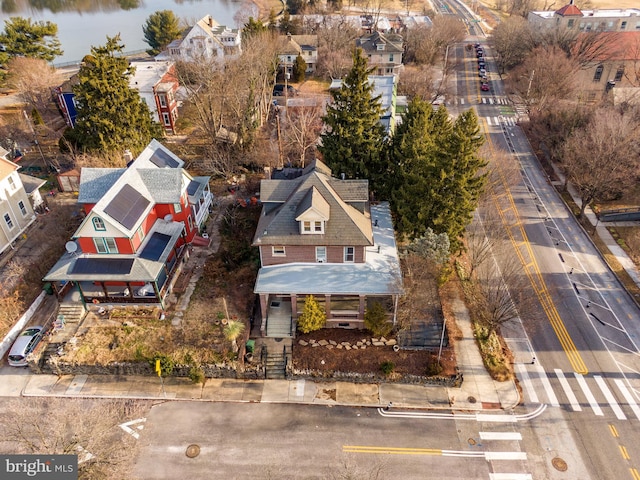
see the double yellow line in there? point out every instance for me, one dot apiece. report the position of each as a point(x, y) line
point(391, 450)
point(533, 272)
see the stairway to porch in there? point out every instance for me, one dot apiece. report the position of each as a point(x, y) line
point(279, 326)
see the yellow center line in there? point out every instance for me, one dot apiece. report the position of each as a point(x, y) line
point(533, 272)
point(614, 432)
point(623, 452)
point(635, 474)
point(391, 450)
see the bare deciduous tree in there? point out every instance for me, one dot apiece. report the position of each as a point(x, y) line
point(302, 130)
point(33, 79)
point(88, 428)
point(336, 40)
point(512, 40)
point(418, 81)
point(428, 45)
point(602, 159)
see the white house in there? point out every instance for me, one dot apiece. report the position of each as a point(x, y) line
point(207, 39)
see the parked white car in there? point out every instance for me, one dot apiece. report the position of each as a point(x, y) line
point(24, 345)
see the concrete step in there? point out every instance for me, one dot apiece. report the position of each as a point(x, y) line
point(73, 313)
point(278, 328)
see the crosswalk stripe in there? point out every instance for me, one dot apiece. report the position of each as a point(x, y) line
point(590, 398)
point(491, 101)
point(573, 400)
point(505, 455)
point(484, 100)
point(628, 397)
point(500, 436)
point(510, 476)
point(553, 400)
point(526, 381)
point(610, 398)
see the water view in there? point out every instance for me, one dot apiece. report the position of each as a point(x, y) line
point(86, 23)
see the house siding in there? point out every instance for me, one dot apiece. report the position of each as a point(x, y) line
point(307, 254)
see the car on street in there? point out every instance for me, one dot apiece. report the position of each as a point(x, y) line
point(481, 64)
point(482, 72)
point(479, 53)
point(24, 345)
point(484, 87)
point(484, 79)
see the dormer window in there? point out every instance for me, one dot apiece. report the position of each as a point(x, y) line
point(98, 224)
point(309, 227)
point(380, 46)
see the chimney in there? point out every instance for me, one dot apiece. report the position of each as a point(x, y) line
point(210, 21)
point(342, 176)
point(128, 156)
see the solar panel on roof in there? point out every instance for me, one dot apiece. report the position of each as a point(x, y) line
point(155, 246)
point(113, 266)
point(162, 159)
point(127, 206)
point(193, 186)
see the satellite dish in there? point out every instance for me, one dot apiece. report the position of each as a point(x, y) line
point(71, 246)
point(168, 217)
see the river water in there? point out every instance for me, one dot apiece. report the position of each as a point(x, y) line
point(83, 24)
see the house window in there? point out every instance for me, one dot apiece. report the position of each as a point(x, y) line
point(140, 233)
point(163, 100)
point(177, 207)
point(23, 210)
point(321, 254)
point(8, 221)
point(581, 26)
point(306, 227)
point(98, 224)
point(588, 29)
point(638, 26)
point(105, 245)
point(380, 46)
point(12, 184)
point(349, 254)
point(190, 222)
point(623, 25)
point(166, 119)
point(391, 57)
point(598, 75)
point(570, 23)
point(317, 227)
point(278, 251)
point(619, 74)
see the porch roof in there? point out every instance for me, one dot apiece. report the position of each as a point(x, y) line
point(379, 275)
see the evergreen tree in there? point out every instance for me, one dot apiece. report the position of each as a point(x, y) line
point(272, 21)
point(312, 317)
point(438, 179)
point(21, 38)
point(299, 69)
point(111, 115)
point(354, 136)
point(160, 29)
point(253, 27)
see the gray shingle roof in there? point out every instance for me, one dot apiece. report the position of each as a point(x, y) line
point(164, 184)
point(369, 43)
point(95, 182)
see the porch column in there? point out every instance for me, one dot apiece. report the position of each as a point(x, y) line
point(264, 301)
point(327, 306)
point(294, 306)
point(361, 307)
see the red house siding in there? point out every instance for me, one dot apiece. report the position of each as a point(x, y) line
point(306, 254)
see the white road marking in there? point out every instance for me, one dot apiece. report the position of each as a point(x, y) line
point(510, 476)
point(553, 400)
point(485, 417)
point(505, 455)
point(610, 398)
point(526, 382)
point(628, 397)
point(127, 427)
point(573, 401)
point(500, 436)
point(590, 398)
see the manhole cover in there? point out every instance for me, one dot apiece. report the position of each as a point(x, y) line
point(471, 400)
point(193, 451)
point(559, 464)
point(471, 441)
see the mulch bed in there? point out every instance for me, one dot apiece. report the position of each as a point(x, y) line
point(407, 362)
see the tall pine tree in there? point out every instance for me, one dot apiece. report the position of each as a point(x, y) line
point(354, 136)
point(111, 115)
point(437, 178)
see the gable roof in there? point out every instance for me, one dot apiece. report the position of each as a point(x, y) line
point(6, 167)
point(369, 43)
point(286, 200)
point(124, 196)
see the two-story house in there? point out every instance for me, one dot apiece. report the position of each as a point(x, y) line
point(292, 46)
point(16, 211)
point(383, 51)
point(139, 221)
point(206, 40)
point(157, 84)
point(319, 235)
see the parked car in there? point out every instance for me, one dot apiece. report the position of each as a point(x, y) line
point(476, 45)
point(479, 53)
point(484, 87)
point(278, 90)
point(484, 79)
point(482, 72)
point(481, 64)
point(24, 345)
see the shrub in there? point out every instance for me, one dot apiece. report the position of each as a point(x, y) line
point(434, 368)
point(196, 374)
point(166, 364)
point(375, 320)
point(387, 367)
point(313, 317)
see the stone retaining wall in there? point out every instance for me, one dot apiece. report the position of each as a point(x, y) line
point(309, 374)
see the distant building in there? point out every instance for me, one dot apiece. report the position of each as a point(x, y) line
point(206, 40)
point(157, 85)
point(383, 52)
point(603, 20)
point(290, 46)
